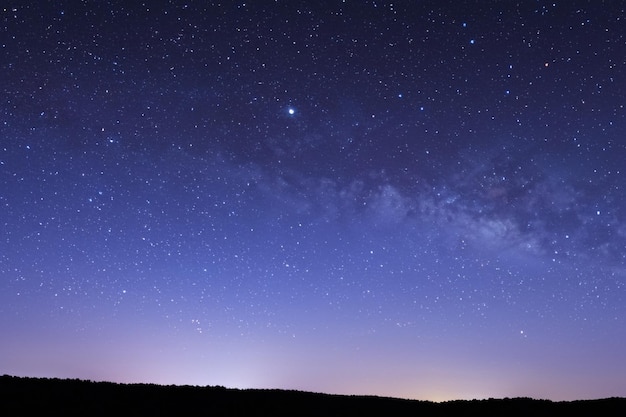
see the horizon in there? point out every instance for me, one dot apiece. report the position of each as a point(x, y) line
point(419, 200)
point(301, 391)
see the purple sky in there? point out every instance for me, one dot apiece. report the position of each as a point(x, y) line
point(419, 199)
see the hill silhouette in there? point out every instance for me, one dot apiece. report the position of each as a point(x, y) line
point(22, 396)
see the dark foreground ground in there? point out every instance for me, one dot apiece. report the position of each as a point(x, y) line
point(50, 397)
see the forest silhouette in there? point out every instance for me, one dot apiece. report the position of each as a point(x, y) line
point(73, 397)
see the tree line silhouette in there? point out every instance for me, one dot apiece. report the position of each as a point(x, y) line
point(21, 396)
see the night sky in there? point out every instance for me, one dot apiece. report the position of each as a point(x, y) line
point(417, 199)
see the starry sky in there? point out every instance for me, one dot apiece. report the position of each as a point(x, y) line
point(419, 199)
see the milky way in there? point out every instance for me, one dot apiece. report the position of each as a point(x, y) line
point(414, 199)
